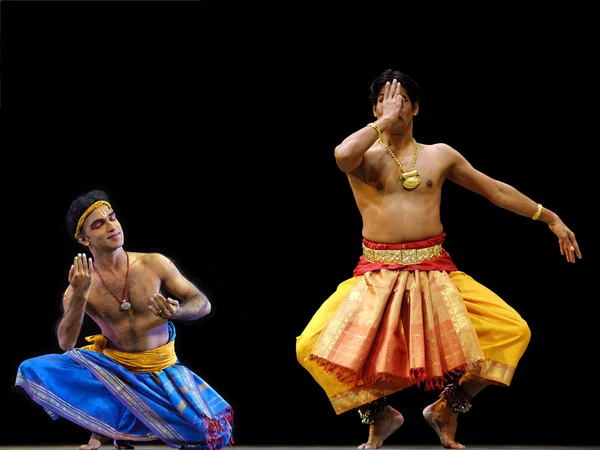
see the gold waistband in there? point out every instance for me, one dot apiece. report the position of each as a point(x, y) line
point(405, 256)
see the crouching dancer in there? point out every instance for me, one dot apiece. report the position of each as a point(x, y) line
point(127, 384)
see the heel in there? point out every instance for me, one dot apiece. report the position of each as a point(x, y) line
point(120, 445)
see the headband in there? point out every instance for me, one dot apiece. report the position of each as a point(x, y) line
point(87, 213)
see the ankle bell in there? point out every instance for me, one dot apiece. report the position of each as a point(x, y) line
point(457, 398)
point(373, 411)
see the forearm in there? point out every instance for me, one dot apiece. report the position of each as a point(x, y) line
point(511, 199)
point(517, 202)
point(193, 309)
point(349, 153)
point(70, 325)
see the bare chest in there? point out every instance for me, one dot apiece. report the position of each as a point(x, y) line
point(108, 293)
point(386, 175)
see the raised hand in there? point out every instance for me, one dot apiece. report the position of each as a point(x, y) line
point(393, 101)
point(81, 274)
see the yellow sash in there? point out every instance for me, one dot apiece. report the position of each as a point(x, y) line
point(147, 361)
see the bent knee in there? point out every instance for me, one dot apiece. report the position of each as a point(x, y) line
point(26, 367)
point(523, 331)
point(303, 348)
point(520, 332)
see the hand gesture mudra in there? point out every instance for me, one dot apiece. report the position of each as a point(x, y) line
point(566, 240)
point(163, 307)
point(81, 274)
point(393, 101)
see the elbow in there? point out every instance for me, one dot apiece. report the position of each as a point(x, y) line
point(65, 346)
point(498, 195)
point(498, 198)
point(206, 307)
point(344, 159)
point(65, 342)
point(202, 308)
point(62, 340)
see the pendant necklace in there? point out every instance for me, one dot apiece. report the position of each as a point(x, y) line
point(410, 179)
point(125, 305)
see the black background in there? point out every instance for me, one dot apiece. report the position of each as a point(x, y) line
point(212, 127)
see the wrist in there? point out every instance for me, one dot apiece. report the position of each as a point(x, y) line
point(80, 296)
point(538, 212)
point(383, 123)
point(549, 217)
point(376, 128)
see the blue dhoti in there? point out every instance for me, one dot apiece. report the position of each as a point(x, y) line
point(89, 388)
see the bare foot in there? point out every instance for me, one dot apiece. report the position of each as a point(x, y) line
point(383, 428)
point(444, 421)
point(96, 440)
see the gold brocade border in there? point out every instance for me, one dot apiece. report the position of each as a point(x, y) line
point(361, 395)
point(488, 371)
point(130, 398)
point(62, 408)
point(404, 256)
point(494, 371)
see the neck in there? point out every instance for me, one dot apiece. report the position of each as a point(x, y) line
point(399, 143)
point(109, 260)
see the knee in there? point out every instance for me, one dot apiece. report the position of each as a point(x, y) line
point(39, 367)
point(302, 349)
point(523, 331)
point(27, 371)
point(26, 366)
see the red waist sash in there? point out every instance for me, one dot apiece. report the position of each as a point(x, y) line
point(442, 262)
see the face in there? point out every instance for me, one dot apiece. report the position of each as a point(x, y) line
point(408, 110)
point(101, 229)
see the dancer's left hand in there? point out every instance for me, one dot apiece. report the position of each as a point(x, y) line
point(566, 240)
point(162, 307)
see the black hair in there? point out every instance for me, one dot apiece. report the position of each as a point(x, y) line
point(80, 205)
point(412, 88)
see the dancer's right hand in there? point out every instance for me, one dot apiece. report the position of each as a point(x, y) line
point(81, 274)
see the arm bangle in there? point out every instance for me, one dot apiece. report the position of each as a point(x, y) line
point(538, 212)
point(372, 125)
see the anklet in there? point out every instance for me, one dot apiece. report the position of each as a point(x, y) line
point(457, 398)
point(370, 412)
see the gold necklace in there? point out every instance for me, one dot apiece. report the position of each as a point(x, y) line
point(410, 179)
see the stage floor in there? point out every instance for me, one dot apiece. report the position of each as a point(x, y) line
point(385, 447)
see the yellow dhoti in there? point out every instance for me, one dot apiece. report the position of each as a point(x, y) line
point(398, 325)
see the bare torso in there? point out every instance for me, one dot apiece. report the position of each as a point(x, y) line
point(136, 329)
point(390, 213)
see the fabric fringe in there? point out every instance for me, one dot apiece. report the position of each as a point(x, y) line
point(418, 375)
point(214, 427)
point(344, 374)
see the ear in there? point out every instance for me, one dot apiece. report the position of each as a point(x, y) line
point(375, 110)
point(416, 108)
point(83, 240)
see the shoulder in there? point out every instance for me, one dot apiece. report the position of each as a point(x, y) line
point(151, 259)
point(440, 147)
point(156, 263)
point(442, 151)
